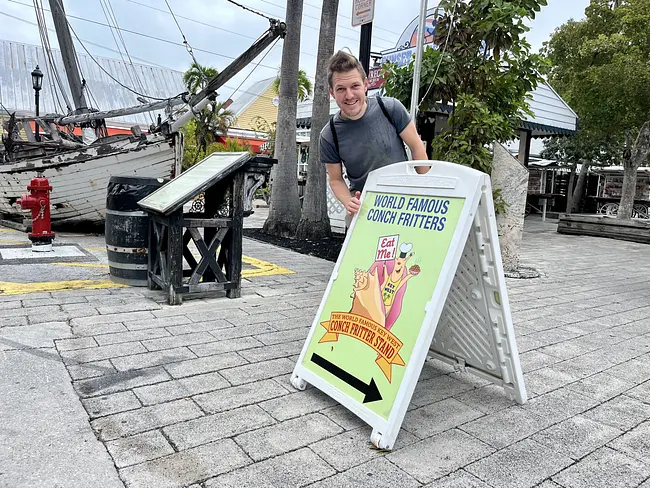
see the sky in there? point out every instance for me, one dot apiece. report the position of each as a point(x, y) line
point(219, 31)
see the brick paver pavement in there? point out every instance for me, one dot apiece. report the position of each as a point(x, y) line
point(199, 395)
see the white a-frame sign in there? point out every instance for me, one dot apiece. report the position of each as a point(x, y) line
point(420, 272)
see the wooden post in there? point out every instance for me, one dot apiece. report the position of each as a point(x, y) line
point(175, 257)
point(151, 254)
point(233, 271)
point(524, 147)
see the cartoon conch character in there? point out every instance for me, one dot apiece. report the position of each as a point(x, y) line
point(393, 276)
point(367, 297)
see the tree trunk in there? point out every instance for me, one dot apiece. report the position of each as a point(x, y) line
point(284, 212)
point(581, 186)
point(628, 193)
point(569, 188)
point(315, 221)
point(633, 158)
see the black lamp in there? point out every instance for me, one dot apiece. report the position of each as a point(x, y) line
point(37, 83)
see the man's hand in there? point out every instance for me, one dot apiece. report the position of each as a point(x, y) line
point(353, 204)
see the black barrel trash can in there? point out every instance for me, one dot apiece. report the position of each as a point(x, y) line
point(126, 228)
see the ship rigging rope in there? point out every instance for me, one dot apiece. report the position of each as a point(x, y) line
point(249, 9)
point(188, 46)
point(5, 109)
point(103, 69)
point(256, 65)
point(50, 66)
point(111, 19)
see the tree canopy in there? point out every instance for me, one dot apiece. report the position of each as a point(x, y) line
point(481, 71)
point(197, 76)
point(305, 88)
point(600, 67)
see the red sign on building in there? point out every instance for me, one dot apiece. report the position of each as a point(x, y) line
point(375, 78)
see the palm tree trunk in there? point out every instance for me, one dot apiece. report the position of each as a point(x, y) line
point(284, 212)
point(315, 222)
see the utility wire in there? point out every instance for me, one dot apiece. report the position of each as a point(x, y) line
point(84, 40)
point(143, 60)
point(166, 41)
point(148, 36)
point(199, 23)
point(375, 37)
point(350, 18)
point(318, 28)
point(442, 53)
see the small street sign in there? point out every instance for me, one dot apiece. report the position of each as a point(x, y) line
point(363, 12)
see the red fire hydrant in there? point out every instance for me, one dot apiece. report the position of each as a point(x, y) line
point(38, 201)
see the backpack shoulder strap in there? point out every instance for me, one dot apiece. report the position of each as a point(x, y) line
point(383, 109)
point(382, 106)
point(334, 136)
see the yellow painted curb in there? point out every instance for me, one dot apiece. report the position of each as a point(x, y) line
point(262, 268)
point(7, 288)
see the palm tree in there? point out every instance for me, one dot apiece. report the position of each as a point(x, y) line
point(284, 212)
point(223, 118)
point(197, 76)
point(315, 222)
point(212, 119)
point(305, 88)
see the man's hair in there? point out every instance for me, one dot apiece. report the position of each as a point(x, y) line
point(343, 62)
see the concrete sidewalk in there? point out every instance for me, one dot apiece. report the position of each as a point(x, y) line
point(112, 387)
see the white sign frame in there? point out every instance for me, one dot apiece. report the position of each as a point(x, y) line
point(443, 180)
point(366, 16)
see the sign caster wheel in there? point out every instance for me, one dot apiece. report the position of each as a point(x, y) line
point(298, 383)
point(380, 441)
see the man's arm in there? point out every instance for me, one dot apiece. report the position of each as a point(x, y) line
point(340, 189)
point(412, 139)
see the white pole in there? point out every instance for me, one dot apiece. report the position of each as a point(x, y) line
point(415, 92)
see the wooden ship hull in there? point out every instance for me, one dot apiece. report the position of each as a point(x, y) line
point(79, 178)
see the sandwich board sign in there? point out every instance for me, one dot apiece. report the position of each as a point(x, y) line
point(419, 273)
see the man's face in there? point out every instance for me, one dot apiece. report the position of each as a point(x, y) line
point(349, 91)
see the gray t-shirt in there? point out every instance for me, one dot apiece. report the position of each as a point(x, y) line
point(368, 143)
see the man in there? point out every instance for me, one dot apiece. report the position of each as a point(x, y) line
point(363, 135)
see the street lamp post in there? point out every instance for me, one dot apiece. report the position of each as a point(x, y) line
point(37, 80)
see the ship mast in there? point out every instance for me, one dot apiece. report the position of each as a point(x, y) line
point(69, 57)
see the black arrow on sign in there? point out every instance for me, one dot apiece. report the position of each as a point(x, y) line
point(370, 390)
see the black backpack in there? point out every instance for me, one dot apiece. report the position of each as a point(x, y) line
point(384, 111)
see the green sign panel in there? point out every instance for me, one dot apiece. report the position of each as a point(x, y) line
point(375, 308)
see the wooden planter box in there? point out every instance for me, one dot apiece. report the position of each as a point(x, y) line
point(605, 226)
